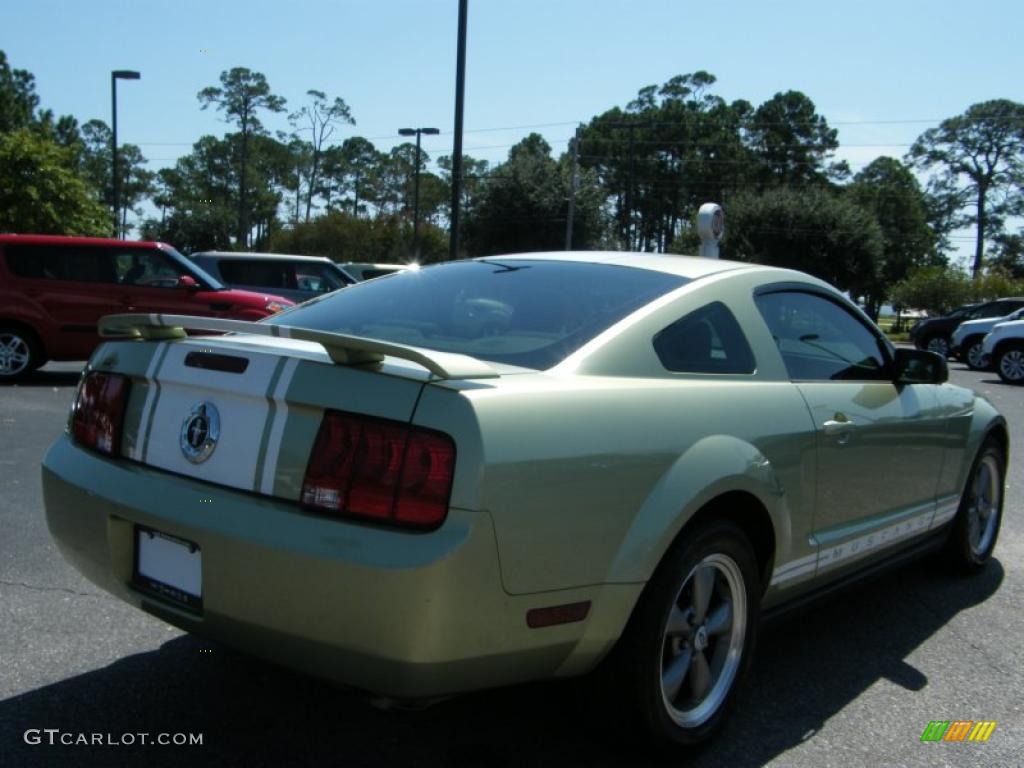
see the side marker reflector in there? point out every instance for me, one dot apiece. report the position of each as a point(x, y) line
point(557, 614)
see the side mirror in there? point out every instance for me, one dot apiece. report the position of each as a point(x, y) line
point(917, 366)
point(188, 283)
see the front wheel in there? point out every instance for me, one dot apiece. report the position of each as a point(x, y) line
point(974, 354)
point(938, 344)
point(692, 636)
point(1010, 364)
point(976, 525)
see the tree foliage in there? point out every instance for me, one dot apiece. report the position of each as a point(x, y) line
point(524, 204)
point(889, 191)
point(241, 95)
point(344, 237)
point(978, 162)
point(40, 190)
point(819, 232)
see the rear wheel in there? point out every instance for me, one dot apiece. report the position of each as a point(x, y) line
point(974, 354)
point(1010, 364)
point(19, 353)
point(938, 344)
point(976, 525)
point(692, 636)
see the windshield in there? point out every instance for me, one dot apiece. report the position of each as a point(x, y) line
point(189, 267)
point(517, 311)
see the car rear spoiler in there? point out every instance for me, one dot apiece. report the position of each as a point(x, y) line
point(342, 349)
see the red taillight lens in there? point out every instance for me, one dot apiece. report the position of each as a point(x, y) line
point(381, 470)
point(99, 412)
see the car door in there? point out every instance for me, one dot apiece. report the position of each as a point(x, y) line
point(73, 284)
point(148, 282)
point(879, 445)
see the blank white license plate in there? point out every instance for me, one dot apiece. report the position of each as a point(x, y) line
point(169, 567)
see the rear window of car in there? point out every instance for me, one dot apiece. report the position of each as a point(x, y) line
point(79, 263)
point(522, 312)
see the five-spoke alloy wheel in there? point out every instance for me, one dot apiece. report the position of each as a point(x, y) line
point(691, 637)
point(18, 354)
point(976, 526)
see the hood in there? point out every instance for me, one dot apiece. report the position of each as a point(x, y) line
point(254, 299)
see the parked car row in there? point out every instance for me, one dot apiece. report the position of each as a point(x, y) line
point(968, 334)
point(54, 289)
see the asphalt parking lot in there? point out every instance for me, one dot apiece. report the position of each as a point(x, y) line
point(850, 682)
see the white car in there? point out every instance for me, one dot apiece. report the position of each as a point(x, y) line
point(1003, 348)
point(968, 337)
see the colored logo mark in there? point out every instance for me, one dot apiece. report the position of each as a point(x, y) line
point(958, 730)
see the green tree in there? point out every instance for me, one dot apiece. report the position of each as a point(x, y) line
point(978, 160)
point(936, 290)
point(320, 118)
point(137, 182)
point(816, 231)
point(792, 143)
point(344, 237)
point(1008, 255)
point(524, 203)
point(671, 149)
point(888, 189)
point(351, 174)
point(40, 190)
point(242, 93)
point(18, 99)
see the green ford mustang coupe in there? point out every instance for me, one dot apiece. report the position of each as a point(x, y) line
point(514, 468)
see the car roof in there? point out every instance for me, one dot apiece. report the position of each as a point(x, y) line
point(690, 267)
point(74, 240)
point(245, 255)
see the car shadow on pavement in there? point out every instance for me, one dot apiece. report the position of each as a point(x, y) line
point(251, 713)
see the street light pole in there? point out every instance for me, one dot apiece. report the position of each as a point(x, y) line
point(460, 90)
point(117, 74)
point(416, 184)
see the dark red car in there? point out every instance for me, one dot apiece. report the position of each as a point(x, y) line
point(54, 290)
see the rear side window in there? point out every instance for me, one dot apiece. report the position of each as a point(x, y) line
point(706, 341)
point(531, 313)
point(77, 263)
point(262, 272)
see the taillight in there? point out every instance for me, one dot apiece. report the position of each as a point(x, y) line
point(379, 470)
point(98, 415)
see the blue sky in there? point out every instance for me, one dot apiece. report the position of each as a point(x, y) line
point(881, 72)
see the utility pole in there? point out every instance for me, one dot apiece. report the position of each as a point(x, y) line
point(574, 148)
point(460, 90)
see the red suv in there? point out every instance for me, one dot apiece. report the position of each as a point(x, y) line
point(54, 289)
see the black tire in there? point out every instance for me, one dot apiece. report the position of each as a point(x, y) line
point(1009, 363)
point(972, 347)
point(650, 656)
point(20, 352)
point(938, 343)
point(976, 525)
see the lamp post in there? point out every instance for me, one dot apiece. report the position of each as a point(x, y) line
point(117, 74)
point(417, 132)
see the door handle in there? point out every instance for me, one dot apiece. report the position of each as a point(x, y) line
point(840, 426)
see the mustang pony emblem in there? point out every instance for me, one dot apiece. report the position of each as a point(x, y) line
point(199, 432)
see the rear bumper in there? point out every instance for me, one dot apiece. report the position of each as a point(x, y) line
point(408, 615)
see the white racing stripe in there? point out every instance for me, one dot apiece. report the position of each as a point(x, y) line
point(241, 401)
point(266, 483)
point(835, 555)
point(147, 406)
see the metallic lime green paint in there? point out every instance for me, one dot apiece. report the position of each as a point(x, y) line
point(570, 484)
